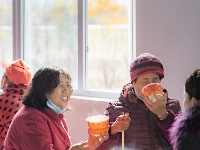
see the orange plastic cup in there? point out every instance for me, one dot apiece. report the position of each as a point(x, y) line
point(153, 89)
point(98, 124)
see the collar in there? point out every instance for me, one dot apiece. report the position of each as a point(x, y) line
point(53, 115)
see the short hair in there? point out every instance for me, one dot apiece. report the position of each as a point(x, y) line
point(192, 85)
point(9, 82)
point(44, 82)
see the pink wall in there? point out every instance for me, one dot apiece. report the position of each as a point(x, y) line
point(171, 31)
point(76, 119)
point(168, 29)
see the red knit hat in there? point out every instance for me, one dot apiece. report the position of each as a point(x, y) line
point(17, 71)
point(146, 63)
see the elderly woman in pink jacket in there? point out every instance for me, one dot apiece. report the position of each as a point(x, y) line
point(40, 124)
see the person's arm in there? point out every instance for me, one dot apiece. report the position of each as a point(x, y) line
point(113, 138)
point(119, 124)
point(173, 109)
point(110, 142)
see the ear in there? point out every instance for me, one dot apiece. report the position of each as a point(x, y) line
point(194, 101)
point(4, 82)
point(133, 83)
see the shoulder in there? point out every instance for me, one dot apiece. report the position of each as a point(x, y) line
point(186, 125)
point(126, 89)
point(173, 105)
point(13, 92)
point(185, 122)
point(191, 119)
point(172, 101)
point(122, 98)
point(28, 114)
point(116, 106)
point(30, 119)
point(114, 109)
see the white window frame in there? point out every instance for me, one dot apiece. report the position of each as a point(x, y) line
point(19, 46)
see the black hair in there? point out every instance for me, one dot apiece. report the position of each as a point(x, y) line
point(44, 82)
point(192, 85)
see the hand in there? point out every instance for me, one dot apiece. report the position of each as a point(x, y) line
point(158, 107)
point(121, 123)
point(80, 146)
point(95, 141)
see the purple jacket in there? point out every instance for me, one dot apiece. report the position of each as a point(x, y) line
point(146, 131)
point(185, 131)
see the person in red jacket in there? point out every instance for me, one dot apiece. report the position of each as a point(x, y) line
point(40, 124)
point(144, 123)
point(14, 82)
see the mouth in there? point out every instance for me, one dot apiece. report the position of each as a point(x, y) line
point(64, 98)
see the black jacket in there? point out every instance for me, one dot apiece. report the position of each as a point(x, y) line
point(185, 132)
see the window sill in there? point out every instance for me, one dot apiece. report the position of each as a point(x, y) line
point(93, 98)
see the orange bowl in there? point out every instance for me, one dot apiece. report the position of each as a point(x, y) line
point(152, 89)
point(98, 131)
point(98, 124)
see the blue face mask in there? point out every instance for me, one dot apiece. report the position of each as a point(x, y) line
point(56, 109)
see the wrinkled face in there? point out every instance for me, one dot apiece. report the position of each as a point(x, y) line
point(62, 93)
point(143, 80)
point(187, 102)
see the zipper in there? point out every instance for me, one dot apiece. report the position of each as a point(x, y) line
point(150, 128)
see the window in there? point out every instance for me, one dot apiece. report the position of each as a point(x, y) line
point(6, 38)
point(108, 29)
point(92, 39)
point(51, 28)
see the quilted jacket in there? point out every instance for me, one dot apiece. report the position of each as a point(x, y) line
point(146, 130)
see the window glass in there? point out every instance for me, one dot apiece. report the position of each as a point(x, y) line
point(107, 57)
point(6, 35)
point(51, 37)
